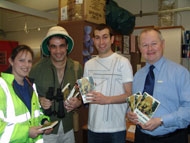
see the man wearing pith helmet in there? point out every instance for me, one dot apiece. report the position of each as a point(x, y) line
point(51, 74)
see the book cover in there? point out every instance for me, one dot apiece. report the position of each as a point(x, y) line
point(134, 100)
point(146, 108)
point(138, 97)
point(68, 93)
point(48, 125)
point(131, 102)
point(85, 84)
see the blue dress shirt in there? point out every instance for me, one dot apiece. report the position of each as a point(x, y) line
point(172, 89)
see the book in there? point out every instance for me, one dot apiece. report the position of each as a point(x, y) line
point(143, 105)
point(71, 93)
point(134, 100)
point(131, 102)
point(85, 85)
point(68, 93)
point(138, 98)
point(48, 125)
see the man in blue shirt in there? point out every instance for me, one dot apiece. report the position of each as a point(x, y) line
point(171, 88)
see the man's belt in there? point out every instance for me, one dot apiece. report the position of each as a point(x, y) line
point(169, 134)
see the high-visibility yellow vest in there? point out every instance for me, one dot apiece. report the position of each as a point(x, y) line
point(15, 118)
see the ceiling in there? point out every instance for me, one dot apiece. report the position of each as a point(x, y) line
point(18, 14)
point(41, 5)
point(37, 8)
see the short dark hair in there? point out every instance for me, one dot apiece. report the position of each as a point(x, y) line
point(20, 48)
point(104, 26)
point(57, 36)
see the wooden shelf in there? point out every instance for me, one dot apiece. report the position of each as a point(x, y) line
point(152, 26)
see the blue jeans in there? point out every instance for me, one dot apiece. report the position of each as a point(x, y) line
point(116, 137)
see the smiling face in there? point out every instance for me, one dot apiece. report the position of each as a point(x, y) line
point(103, 41)
point(21, 65)
point(151, 46)
point(58, 49)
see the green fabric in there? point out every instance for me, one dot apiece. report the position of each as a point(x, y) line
point(119, 19)
point(43, 76)
point(21, 130)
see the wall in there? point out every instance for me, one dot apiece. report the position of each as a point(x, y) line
point(183, 17)
point(1, 21)
point(133, 6)
point(1, 32)
point(33, 38)
point(173, 42)
point(32, 35)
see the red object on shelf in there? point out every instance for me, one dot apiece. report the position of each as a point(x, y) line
point(6, 48)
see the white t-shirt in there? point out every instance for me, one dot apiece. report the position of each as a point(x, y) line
point(109, 74)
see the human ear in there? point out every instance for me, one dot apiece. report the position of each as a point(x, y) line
point(10, 61)
point(112, 39)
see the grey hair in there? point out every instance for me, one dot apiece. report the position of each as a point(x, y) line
point(151, 29)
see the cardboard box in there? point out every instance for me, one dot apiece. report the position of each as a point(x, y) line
point(88, 10)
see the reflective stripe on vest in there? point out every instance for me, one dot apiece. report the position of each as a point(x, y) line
point(34, 87)
point(36, 113)
point(19, 118)
point(2, 115)
point(5, 138)
point(35, 90)
point(10, 105)
point(40, 141)
point(11, 119)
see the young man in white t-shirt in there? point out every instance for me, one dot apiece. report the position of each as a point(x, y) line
point(113, 76)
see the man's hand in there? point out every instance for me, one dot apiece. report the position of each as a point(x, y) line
point(46, 104)
point(34, 132)
point(152, 124)
point(72, 104)
point(132, 117)
point(97, 98)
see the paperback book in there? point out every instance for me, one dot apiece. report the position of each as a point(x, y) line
point(143, 105)
point(86, 84)
point(48, 125)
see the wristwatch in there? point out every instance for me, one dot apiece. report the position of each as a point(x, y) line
point(161, 120)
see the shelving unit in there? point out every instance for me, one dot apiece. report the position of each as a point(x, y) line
point(185, 53)
point(186, 63)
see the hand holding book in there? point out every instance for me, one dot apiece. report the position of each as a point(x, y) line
point(48, 125)
point(143, 105)
point(86, 84)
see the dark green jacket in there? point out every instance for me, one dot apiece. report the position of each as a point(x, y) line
point(45, 76)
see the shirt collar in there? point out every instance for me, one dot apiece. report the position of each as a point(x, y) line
point(18, 85)
point(157, 65)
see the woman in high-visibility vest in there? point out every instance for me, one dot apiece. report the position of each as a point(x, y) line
point(20, 112)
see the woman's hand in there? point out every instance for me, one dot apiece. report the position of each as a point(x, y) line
point(34, 132)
